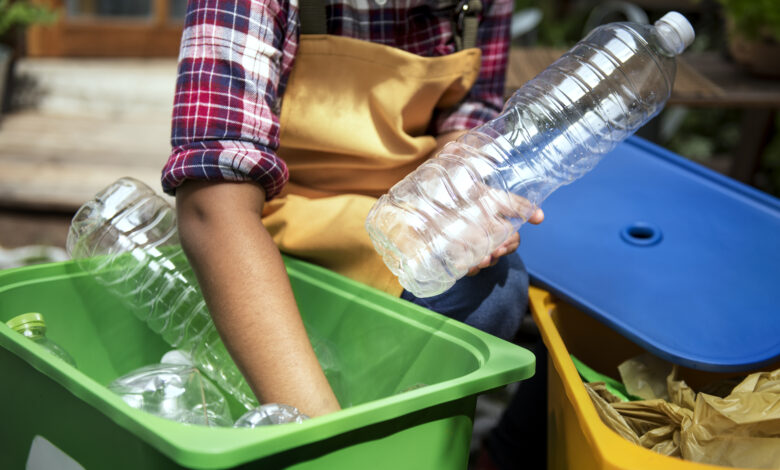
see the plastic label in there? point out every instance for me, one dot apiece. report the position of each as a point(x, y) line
point(44, 456)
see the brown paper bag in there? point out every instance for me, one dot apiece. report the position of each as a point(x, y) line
point(741, 429)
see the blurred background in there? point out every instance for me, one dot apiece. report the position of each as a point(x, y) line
point(87, 88)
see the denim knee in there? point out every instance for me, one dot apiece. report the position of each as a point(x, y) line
point(493, 301)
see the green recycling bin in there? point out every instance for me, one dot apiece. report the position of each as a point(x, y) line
point(412, 377)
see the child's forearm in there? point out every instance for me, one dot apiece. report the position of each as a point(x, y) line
point(248, 294)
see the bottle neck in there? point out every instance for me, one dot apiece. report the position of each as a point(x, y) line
point(32, 332)
point(672, 41)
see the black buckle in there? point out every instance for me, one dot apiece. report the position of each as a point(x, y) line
point(462, 11)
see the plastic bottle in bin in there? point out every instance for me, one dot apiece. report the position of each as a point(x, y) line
point(33, 326)
point(178, 392)
point(458, 207)
point(270, 414)
point(126, 237)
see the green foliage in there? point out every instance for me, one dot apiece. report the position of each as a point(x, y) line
point(558, 28)
point(705, 133)
point(755, 19)
point(21, 13)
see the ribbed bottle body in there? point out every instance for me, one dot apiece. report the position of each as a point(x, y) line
point(126, 238)
point(562, 122)
point(457, 208)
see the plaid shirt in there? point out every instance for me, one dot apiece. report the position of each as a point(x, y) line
point(236, 57)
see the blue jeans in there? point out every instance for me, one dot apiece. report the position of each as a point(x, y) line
point(493, 301)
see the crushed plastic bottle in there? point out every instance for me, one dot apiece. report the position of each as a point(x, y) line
point(178, 392)
point(33, 326)
point(457, 208)
point(270, 414)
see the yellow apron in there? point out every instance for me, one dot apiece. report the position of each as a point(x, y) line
point(353, 123)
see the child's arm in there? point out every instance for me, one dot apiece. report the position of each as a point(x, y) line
point(248, 293)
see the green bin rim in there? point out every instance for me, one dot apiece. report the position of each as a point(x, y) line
point(500, 363)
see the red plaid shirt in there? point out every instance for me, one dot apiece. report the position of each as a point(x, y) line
point(236, 57)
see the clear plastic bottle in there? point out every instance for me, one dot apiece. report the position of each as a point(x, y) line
point(178, 392)
point(270, 414)
point(126, 237)
point(33, 326)
point(457, 208)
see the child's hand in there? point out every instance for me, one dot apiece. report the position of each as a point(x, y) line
point(509, 246)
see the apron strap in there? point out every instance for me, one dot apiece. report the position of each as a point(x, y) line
point(465, 19)
point(312, 17)
point(466, 23)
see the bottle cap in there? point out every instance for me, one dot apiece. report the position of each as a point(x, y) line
point(31, 319)
point(681, 26)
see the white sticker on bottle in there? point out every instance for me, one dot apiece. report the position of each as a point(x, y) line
point(44, 456)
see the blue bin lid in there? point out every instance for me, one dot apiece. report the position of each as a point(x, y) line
point(677, 258)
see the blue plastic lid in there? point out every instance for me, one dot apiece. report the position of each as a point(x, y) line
point(677, 258)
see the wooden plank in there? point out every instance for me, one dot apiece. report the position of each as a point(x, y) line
point(527, 62)
point(692, 87)
point(129, 141)
point(96, 36)
point(741, 89)
point(59, 162)
point(104, 39)
point(62, 186)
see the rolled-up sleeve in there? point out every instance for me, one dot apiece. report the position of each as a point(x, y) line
point(234, 60)
point(486, 98)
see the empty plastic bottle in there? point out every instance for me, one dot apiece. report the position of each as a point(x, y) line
point(178, 392)
point(270, 414)
point(33, 326)
point(457, 208)
point(126, 238)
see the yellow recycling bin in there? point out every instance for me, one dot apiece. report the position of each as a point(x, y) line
point(577, 438)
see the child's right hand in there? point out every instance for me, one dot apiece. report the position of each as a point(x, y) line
point(509, 246)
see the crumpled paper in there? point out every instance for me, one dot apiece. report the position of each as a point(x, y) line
point(644, 376)
point(741, 429)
